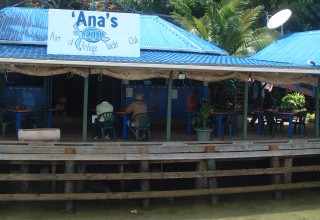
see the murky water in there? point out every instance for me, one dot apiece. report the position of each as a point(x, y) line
point(299, 204)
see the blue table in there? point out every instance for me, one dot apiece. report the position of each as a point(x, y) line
point(260, 120)
point(19, 113)
point(286, 115)
point(218, 115)
point(189, 112)
point(283, 115)
point(49, 119)
point(124, 116)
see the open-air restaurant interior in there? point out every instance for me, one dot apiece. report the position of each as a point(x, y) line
point(25, 106)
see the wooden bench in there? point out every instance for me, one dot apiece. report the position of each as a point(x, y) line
point(39, 134)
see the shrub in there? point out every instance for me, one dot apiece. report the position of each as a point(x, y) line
point(293, 101)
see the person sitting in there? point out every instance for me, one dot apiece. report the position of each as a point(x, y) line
point(103, 107)
point(136, 107)
point(260, 89)
point(192, 99)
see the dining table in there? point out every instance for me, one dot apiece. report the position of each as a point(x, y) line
point(219, 115)
point(19, 113)
point(259, 113)
point(287, 115)
point(190, 112)
point(124, 115)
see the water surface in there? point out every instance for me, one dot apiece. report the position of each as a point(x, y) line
point(299, 204)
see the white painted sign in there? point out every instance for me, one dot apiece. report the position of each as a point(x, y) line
point(92, 33)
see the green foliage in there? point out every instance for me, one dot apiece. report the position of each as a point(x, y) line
point(294, 101)
point(311, 116)
point(231, 24)
point(58, 4)
point(201, 118)
point(160, 7)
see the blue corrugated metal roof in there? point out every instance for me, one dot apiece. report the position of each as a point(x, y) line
point(148, 56)
point(23, 34)
point(295, 48)
point(29, 25)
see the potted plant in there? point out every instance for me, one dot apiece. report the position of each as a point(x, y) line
point(293, 102)
point(201, 121)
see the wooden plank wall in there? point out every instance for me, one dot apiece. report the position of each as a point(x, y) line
point(56, 155)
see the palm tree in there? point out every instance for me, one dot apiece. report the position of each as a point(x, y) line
point(230, 24)
point(58, 4)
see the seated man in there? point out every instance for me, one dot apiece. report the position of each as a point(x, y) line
point(192, 99)
point(138, 106)
point(101, 108)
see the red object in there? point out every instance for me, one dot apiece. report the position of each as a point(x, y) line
point(20, 107)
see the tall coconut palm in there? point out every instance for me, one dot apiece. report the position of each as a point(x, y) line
point(229, 23)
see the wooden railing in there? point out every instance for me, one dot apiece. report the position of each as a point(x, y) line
point(210, 162)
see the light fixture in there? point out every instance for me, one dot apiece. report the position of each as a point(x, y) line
point(311, 62)
point(181, 75)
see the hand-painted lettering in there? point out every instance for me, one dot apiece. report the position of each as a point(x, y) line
point(93, 21)
point(54, 38)
point(114, 22)
point(133, 40)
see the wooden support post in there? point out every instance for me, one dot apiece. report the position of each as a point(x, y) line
point(53, 171)
point(69, 184)
point(44, 185)
point(201, 182)
point(287, 177)
point(80, 185)
point(122, 183)
point(24, 169)
point(274, 163)
point(212, 181)
point(145, 184)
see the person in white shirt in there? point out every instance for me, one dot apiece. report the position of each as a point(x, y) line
point(103, 107)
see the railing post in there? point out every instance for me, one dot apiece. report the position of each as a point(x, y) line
point(69, 184)
point(212, 181)
point(80, 185)
point(24, 168)
point(201, 182)
point(287, 177)
point(53, 171)
point(145, 184)
point(122, 183)
point(274, 163)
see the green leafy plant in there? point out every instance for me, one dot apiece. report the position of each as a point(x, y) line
point(293, 101)
point(311, 117)
point(201, 118)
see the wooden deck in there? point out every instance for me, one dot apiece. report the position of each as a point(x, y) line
point(133, 170)
point(204, 167)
